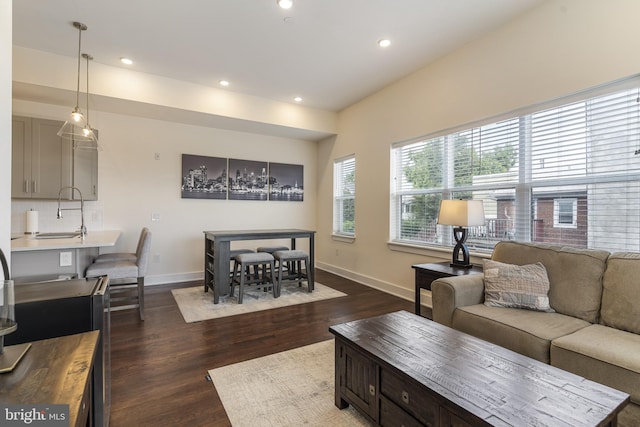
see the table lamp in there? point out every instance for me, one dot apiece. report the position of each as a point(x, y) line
point(461, 214)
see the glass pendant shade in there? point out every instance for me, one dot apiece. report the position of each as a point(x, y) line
point(89, 139)
point(77, 128)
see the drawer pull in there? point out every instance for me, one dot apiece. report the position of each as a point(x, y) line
point(372, 390)
point(405, 397)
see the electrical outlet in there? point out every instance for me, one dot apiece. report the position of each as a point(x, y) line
point(66, 259)
point(155, 216)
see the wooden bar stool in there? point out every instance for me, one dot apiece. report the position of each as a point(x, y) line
point(293, 258)
point(232, 254)
point(271, 249)
point(242, 276)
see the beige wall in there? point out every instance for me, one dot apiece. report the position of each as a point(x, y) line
point(133, 185)
point(5, 125)
point(555, 50)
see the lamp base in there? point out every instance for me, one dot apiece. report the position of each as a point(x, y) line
point(460, 256)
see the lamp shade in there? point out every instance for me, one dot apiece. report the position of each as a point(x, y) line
point(461, 213)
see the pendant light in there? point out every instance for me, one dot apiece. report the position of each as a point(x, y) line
point(90, 141)
point(75, 128)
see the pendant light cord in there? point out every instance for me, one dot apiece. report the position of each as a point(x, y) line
point(88, 58)
point(79, 26)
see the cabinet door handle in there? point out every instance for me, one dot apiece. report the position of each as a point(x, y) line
point(26, 185)
point(372, 390)
point(35, 186)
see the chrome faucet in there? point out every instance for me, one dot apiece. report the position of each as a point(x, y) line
point(83, 228)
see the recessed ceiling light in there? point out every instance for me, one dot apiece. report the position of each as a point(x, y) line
point(384, 42)
point(285, 4)
point(297, 99)
point(126, 61)
point(224, 83)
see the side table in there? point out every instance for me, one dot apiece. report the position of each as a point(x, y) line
point(427, 273)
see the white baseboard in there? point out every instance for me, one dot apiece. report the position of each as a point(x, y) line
point(380, 285)
point(164, 279)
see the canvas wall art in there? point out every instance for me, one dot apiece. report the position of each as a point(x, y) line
point(248, 180)
point(286, 182)
point(204, 177)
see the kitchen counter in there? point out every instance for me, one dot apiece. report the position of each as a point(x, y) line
point(34, 259)
point(94, 239)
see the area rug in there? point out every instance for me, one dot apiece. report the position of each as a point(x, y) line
point(197, 305)
point(292, 388)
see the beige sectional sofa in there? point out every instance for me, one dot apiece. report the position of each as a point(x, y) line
point(594, 331)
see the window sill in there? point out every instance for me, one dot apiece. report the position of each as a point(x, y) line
point(343, 238)
point(434, 251)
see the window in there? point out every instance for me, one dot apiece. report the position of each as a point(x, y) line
point(565, 174)
point(565, 213)
point(344, 196)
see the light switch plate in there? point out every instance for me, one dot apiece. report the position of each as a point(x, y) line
point(66, 259)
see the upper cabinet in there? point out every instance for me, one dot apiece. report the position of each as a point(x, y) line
point(36, 163)
point(42, 162)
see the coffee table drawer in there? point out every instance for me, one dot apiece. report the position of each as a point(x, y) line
point(391, 415)
point(409, 397)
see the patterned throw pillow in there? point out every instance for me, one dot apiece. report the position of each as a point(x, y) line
point(516, 286)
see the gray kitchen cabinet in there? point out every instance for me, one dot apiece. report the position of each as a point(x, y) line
point(36, 163)
point(42, 162)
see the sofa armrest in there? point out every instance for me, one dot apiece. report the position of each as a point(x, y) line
point(451, 292)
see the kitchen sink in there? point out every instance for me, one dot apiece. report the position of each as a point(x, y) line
point(59, 235)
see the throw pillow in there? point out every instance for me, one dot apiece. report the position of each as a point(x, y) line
point(516, 286)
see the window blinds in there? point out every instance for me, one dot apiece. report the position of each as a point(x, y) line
point(567, 174)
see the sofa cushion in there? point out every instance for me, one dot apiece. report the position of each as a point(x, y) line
point(575, 275)
point(602, 354)
point(524, 331)
point(516, 286)
point(621, 292)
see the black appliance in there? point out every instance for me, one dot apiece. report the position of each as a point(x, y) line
point(64, 307)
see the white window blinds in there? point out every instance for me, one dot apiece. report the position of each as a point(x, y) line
point(567, 174)
point(344, 195)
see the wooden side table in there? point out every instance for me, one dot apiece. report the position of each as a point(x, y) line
point(427, 273)
point(54, 371)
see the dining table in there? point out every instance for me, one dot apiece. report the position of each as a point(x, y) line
point(217, 247)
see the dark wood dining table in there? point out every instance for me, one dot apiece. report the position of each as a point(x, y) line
point(217, 247)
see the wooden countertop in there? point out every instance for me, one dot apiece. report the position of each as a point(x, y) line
point(94, 239)
point(54, 371)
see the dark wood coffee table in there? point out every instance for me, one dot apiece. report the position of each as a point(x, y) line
point(403, 369)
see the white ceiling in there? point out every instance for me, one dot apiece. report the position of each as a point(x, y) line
point(322, 50)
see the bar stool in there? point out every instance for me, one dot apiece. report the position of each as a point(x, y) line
point(126, 276)
point(242, 276)
point(292, 258)
point(271, 249)
point(232, 254)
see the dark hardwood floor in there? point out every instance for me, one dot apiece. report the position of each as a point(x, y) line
point(158, 366)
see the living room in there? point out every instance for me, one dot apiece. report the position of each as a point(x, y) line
point(556, 49)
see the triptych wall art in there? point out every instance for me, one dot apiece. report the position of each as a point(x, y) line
point(235, 179)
